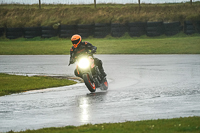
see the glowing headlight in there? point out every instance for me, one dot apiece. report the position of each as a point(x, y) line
point(84, 63)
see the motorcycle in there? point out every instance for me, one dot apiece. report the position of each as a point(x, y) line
point(91, 75)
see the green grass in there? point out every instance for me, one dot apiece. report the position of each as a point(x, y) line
point(176, 125)
point(178, 44)
point(10, 84)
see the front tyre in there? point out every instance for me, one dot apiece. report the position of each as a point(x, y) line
point(90, 85)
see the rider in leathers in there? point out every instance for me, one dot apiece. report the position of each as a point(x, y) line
point(83, 47)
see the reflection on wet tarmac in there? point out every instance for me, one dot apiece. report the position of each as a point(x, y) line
point(84, 106)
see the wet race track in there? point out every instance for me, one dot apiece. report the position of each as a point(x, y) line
point(141, 87)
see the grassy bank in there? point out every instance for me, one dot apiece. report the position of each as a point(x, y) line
point(10, 84)
point(29, 15)
point(177, 125)
point(179, 44)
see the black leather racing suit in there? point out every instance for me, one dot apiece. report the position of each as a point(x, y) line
point(84, 47)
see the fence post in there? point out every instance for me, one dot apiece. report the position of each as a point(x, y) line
point(191, 2)
point(139, 2)
point(94, 3)
point(39, 4)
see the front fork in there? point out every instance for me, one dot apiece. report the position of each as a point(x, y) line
point(87, 71)
point(97, 75)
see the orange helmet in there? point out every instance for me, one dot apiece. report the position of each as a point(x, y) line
point(76, 39)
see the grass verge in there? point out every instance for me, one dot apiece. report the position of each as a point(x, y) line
point(16, 15)
point(178, 44)
point(176, 125)
point(10, 84)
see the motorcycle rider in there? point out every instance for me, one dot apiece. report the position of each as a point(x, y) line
point(83, 47)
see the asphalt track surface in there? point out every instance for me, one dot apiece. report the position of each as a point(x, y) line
point(141, 87)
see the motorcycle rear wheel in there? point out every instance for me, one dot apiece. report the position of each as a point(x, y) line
point(104, 84)
point(90, 85)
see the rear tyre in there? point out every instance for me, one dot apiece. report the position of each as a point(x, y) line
point(90, 85)
point(104, 85)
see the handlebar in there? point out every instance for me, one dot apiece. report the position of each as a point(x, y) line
point(87, 53)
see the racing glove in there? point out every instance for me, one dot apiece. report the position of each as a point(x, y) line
point(93, 51)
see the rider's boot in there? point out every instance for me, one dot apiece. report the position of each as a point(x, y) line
point(103, 73)
point(99, 64)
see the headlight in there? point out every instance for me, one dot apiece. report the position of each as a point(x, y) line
point(84, 63)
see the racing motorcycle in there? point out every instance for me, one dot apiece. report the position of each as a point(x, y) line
point(91, 75)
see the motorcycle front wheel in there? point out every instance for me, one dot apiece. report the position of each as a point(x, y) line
point(90, 85)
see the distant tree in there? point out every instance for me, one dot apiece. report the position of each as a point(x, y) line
point(191, 2)
point(139, 2)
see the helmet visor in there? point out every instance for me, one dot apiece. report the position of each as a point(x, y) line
point(75, 41)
